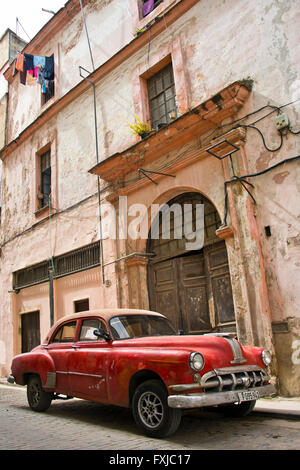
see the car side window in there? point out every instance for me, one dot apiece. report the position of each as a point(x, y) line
point(87, 329)
point(65, 334)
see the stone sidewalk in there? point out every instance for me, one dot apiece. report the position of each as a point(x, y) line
point(279, 406)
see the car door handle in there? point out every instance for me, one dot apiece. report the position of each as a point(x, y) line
point(75, 347)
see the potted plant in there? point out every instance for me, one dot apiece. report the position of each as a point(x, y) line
point(140, 128)
point(139, 31)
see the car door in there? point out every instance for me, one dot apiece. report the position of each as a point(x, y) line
point(60, 348)
point(87, 365)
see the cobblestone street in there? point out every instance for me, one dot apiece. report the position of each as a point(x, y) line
point(81, 425)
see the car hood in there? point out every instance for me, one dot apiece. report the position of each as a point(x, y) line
point(219, 350)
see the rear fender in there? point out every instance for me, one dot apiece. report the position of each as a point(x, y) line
point(38, 363)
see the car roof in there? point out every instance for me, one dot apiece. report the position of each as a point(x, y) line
point(105, 313)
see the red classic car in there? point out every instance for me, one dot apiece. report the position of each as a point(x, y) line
point(135, 358)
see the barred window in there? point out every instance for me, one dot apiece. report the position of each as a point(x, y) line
point(45, 179)
point(162, 97)
point(78, 260)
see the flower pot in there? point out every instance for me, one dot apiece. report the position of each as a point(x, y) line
point(144, 135)
point(161, 125)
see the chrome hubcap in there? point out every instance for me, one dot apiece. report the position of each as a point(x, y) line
point(150, 409)
point(35, 393)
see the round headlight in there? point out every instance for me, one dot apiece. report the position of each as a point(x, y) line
point(266, 357)
point(196, 361)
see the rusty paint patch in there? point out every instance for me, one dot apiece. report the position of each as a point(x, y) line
point(293, 241)
point(263, 161)
point(73, 38)
point(280, 177)
point(95, 5)
point(108, 138)
point(217, 100)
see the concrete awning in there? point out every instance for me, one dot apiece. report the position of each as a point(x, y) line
point(190, 125)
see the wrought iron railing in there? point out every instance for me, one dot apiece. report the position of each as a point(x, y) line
point(77, 260)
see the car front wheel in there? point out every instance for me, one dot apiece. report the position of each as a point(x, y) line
point(38, 399)
point(151, 411)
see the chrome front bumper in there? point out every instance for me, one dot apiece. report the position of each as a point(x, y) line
point(200, 400)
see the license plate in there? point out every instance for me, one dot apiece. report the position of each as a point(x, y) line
point(249, 395)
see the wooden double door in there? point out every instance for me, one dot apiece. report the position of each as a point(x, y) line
point(194, 290)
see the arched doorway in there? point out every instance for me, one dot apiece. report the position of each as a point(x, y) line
point(192, 288)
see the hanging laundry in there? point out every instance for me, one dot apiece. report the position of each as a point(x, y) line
point(40, 75)
point(29, 62)
point(49, 68)
point(20, 62)
point(48, 87)
point(38, 69)
point(148, 6)
point(23, 76)
point(39, 61)
point(30, 80)
point(27, 65)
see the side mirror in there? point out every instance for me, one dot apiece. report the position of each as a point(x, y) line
point(100, 333)
point(181, 332)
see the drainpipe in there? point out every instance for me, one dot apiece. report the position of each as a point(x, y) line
point(51, 296)
point(51, 270)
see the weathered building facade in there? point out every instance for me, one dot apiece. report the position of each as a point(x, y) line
point(218, 84)
point(10, 45)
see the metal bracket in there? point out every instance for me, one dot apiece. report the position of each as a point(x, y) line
point(144, 172)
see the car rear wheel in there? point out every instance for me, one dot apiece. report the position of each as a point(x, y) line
point(38, 399)
point(237, 410)
point(151, 411)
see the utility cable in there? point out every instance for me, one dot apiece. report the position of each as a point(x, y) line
point(249, 126)
point(293, 132)
point(252, 175)
point(273, 107)
point(87, 35)
point(96, 144)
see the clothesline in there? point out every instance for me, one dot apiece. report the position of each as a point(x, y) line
point(36, 69)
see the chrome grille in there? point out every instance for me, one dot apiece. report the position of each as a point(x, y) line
point(234, 378)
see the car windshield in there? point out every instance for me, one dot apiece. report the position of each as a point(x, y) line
point(136, 326)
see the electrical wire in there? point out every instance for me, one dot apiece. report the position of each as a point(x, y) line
point(293, 132)
point(273, 107)
point(96, 144)
point(87, 35)
point(263, 138)
point(251, 175)
point(266, 170)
